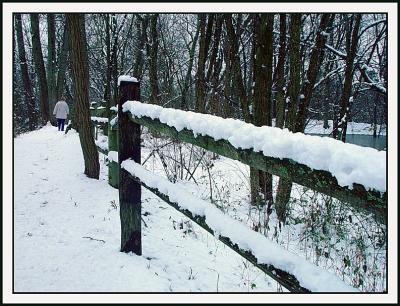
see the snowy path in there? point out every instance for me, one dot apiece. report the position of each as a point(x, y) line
point(56, 206)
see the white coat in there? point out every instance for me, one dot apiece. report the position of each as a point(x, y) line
point(61, 110)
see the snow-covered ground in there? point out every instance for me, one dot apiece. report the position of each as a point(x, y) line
point(66, 232)
point(66, 227)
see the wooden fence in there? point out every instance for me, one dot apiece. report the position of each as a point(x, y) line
point(124, 139)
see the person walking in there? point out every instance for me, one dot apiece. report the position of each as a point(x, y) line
point(61, 111)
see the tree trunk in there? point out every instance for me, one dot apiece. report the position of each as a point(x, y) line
point(51, 64)
point(215, 68)
point(234, 59)
point(16, 99)
point(76, 24)
point(153, 51)
point(215, 47)
point(40, 68)
point(280, 72)
point(62, 63)
point(204, 44)
point(107, 87)
point(114, 59)
point(227, 79)
point(261, 183)
point(316, 59)
point(188, 77)
point(29, 97)
point(143, 23)
point(376, 97)
point(295, 70)
point(351, 48)
point(285, 185)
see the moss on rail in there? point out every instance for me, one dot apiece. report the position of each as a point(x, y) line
point(284, 278)
point(369, 201)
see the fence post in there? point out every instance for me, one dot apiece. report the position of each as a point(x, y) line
point(113, 167)
point(129, 190)
point(93, 109)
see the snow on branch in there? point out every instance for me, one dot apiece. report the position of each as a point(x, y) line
point(114, 121)
point(370, 25)
point(347, 162)
point(337, 52)
point(364, 69)
point(328, 76)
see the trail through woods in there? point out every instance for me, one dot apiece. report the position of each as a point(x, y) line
point(66, 232)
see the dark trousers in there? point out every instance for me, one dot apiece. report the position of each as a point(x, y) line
point(60, 123)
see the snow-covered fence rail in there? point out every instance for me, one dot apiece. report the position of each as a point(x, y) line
point(291, 271)
point(355, 175)
point(295, 157)
point(96, 122)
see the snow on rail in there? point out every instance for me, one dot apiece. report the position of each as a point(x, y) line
point(126, 78)
point(99, 119)
point(266, 251)
point(113, 156)
point(102, 143)
point(347, 162)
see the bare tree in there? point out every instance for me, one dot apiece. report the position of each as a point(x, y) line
point(215, 67)
point(51, 63)
point(40, 68)
point(205, 25)
point(234, 74)
point(351, 48)
point(316, 59)
point(285, 186)
point(188, 75)
point(76, 26)
point(152, 48)
point(29, 97)
point(280, 74)
point(261, 182)
point(142, 25)
point(62, 63)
